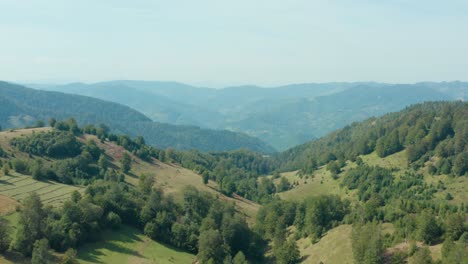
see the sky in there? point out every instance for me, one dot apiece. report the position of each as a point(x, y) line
point(221, 42)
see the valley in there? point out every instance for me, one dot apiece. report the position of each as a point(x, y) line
point(282, 116)
point(302, 203)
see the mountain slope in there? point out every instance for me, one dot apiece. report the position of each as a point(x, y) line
point(424, 129)
point(21, 106)
point(298, 121)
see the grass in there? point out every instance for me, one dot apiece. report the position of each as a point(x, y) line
point(7, 205)
point(334, 247)
point(319, 183)
point(128, 245)
point(396, 160)
point(456, 186)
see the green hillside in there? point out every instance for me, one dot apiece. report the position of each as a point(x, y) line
point(386, 190)
point(76, 187)
point(401, 180)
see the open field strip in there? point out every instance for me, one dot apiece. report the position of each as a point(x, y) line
point(18, 187)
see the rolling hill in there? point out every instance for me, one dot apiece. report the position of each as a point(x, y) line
point(378, 186)
point(282, 116)
point(21, 106)
point(128, 244)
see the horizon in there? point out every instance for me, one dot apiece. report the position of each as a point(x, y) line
point(51, 84)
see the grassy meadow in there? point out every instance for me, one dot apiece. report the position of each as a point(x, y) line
point(128, 245)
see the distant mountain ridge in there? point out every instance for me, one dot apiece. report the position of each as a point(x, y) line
point(21, 106)
point(283, 116)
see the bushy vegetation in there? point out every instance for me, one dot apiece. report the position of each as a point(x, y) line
point(55, 144)
point(75, 162)
point(201, 224)
point(235, 172)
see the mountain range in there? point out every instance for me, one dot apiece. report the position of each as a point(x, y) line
point(21, 106)
point(282, 116)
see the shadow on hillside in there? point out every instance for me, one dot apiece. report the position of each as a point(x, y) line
point(113, 242)
point(304, 258)
point(133, 175)
point(2, 182)
point(15, 257)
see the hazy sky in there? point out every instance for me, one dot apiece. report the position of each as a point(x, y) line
point(234, 42)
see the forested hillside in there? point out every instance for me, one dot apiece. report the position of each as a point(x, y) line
point(21, 106)
point(431, 129)
point(400, 180)
point(282, 116)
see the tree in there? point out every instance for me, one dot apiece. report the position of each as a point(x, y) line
point(205, 177)
point(460, 164)
point(428, 228)
point(73, 125)
point(102, 162)
point(6, 168)
point(334, 167)
point(140, 141)
point(453, 253)
point(126, 162)
point(52, 122)
point(283, 185)
point(4, 235)
point(287, 253)
point(37, 171)
point(162, 155)
point(422, 256)
point(211, 247)
point(39, 123)
point(69, 257)
point(367, 243)
point(146, 183)
point(75, 196)
point(170, 155)
point(113, 220)
point(30, 226)
point(41, 254)
point(454, 225)
point(239, 258)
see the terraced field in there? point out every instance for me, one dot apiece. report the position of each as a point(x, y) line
point(18, 186)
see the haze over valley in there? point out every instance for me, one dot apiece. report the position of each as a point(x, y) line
point(282, 116)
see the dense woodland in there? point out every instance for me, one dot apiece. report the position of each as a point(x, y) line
point(426, 130)
point(433, 135)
